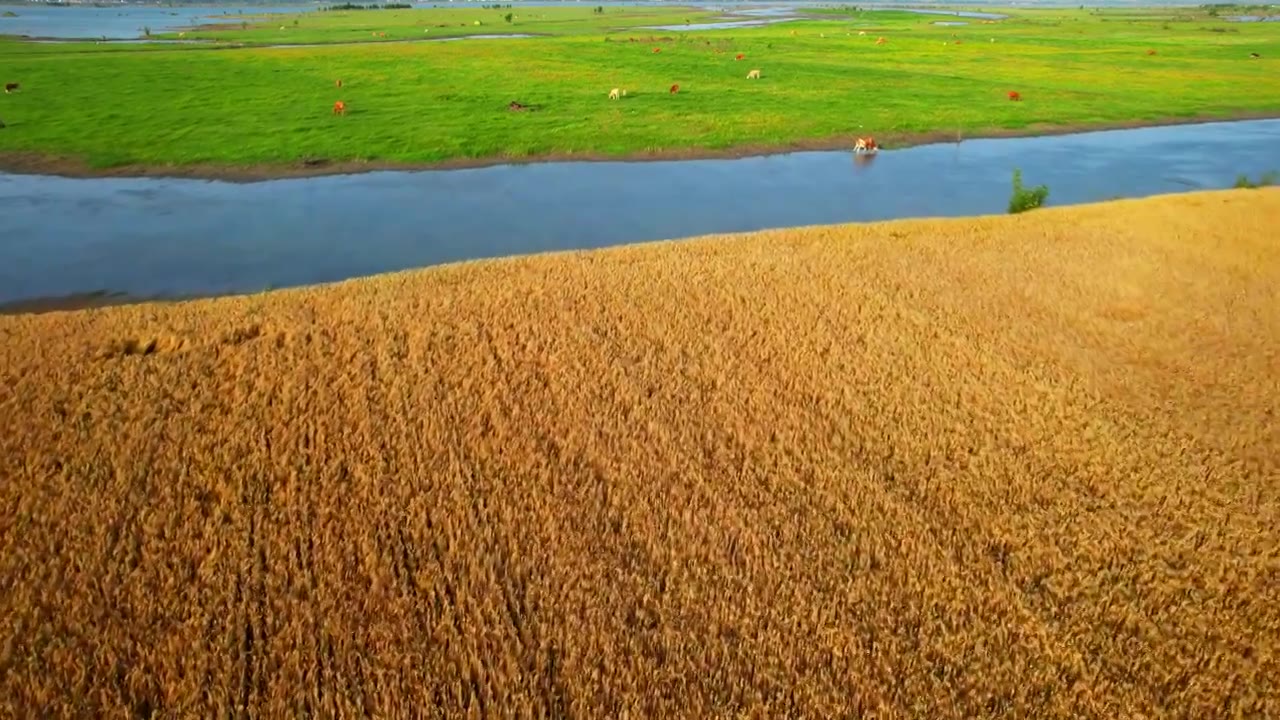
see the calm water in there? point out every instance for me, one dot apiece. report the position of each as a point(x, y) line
point(126, 21)
point(154, 236)
point(122, 22)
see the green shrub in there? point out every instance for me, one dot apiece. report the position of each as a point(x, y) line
point(1025, 198)
point(1268, 178)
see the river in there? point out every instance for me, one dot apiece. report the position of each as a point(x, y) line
point(171, 237)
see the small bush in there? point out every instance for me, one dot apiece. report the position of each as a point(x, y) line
point(1025, 198)
point(1268, 178)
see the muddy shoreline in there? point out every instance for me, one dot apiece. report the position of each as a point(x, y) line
point(34, 163)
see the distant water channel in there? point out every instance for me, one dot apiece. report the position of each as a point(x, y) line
point(158, 236)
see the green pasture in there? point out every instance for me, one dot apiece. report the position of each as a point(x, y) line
point(348, 26)
point(419, 101)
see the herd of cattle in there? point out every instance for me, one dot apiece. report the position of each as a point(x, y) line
point(867, 144)
point(862, 145)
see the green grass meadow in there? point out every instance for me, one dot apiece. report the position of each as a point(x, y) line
point(227, 103)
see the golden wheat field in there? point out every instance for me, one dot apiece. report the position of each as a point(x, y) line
point(1001, 467)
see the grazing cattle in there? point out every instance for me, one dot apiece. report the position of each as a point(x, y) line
point(337, 83)
point(10, 87)
point(1151, 52)
point(880, 41)
point(861, 33)
point(753, 75)
point(339, 108)
point(182, 35)
point(1255, 56)
point(866, 144)
point(657, 50)
point(675, 89)
point(514, 106)
point(959, 42)
point(615, 93)
point(1013, 95)
point(739, 56)
point(1, 124)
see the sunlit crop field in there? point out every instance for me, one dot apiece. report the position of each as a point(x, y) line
point(1004, 467)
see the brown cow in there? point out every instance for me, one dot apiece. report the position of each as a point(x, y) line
point(866, 144)
point(657, 50)
point(339, 108)
point(337, 83)
point(10, 87)
point(675, 89)
point(1151, 52)
point(1013, 95)
point(739, 56)
point(880, 41)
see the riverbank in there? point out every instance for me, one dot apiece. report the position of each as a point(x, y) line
point(37, 164)
point(931, 467)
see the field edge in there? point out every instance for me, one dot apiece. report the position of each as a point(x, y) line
point(107, 300)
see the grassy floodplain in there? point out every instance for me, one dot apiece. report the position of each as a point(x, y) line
point(230, 105)
point(1019, 466)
